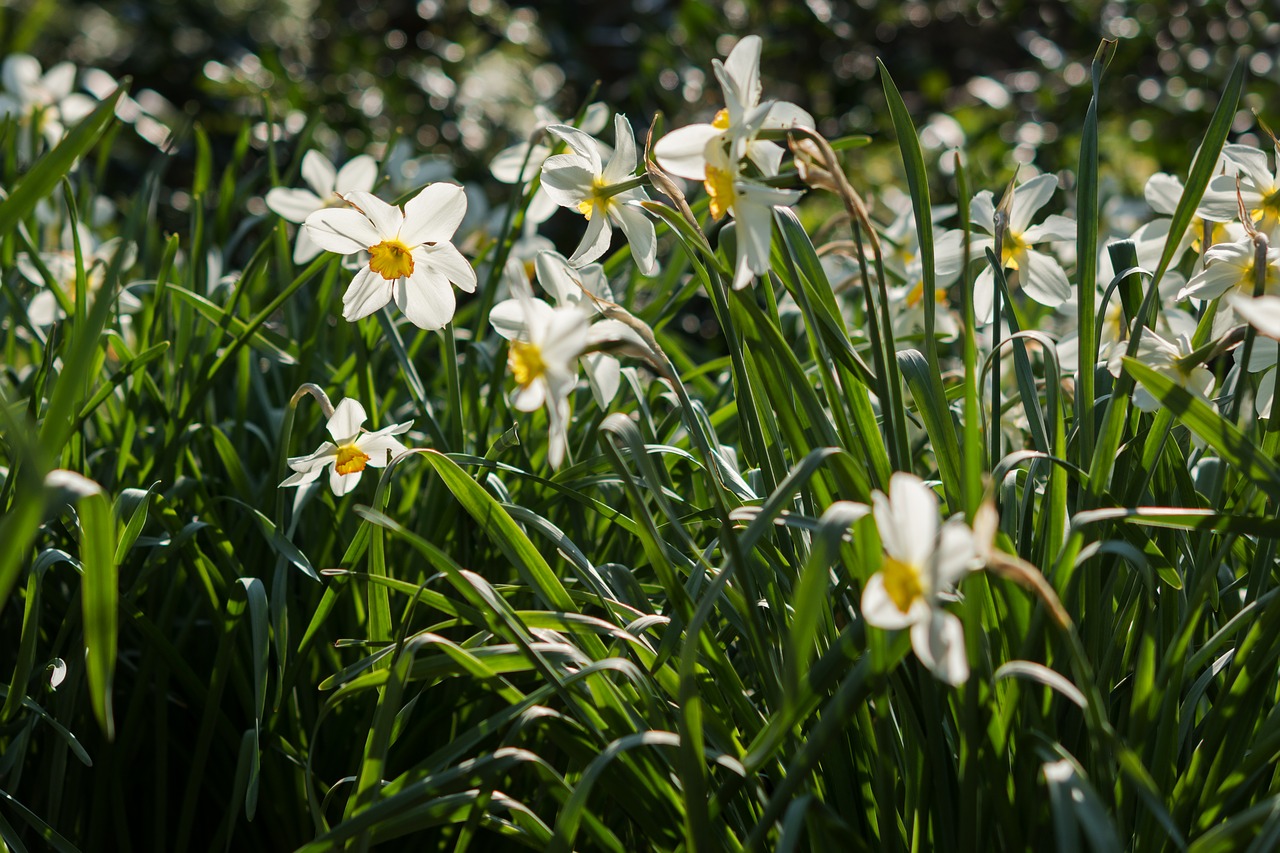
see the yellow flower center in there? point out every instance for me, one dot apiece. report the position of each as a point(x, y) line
point(719, 186)
point(1013, 247)
point(351, 459)
point(598, 200)
point(901, 582)
point(721, 121)
point(391, 259)
point(916, 295)
point(525, 361)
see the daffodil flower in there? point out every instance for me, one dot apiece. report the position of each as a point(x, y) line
point(682, 152)
point(1039, 274)
point(1259, 189)
point(520, 162)
point(751, 203)
point(327, 187)
point(580, 181)
point(1169, 358)
point(351, 450)
point(410, 256)
point(543, 359)
point(44, 308)
point(569, 286)
point(1232, 266)
point(44, 98)
point(922, 561)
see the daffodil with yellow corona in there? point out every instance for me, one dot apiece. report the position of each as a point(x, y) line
point(411, 258)
point(351, 451)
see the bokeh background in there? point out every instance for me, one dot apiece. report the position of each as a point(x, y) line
point(458, 79)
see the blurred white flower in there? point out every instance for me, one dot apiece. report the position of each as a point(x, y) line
point(569, 287)
point(44, 308)
point(1039, 274)
point(922, 561)
point(1168, 358)
point(1259, 189)
point(327, 188)
point(411, 258)
point(520, 162)
point(350, 451)
point(579, 180)
point(543, 358)
point(43, 101)
point(1232, 266)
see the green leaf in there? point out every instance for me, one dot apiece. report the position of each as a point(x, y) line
point(100, 600)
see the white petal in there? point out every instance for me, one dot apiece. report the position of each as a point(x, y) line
point(939, 644)
point(754, 234)
point(433, 215)
point(21, 73)
point(623, 162)
point(594, 118)
point(1029, 198)
point(59, 79)
point(75, 107)
point(557, 432)
point(507, 319)
point(301, 478)
point(1266, 395)
point(1262, 313)
point(915, 518)
point(343, 483)
point(982, 212)
point(1212, 281)
point(358, 175)
point(1252, 164)
point(567, 180)
point(305, 248)
point(506, 167)
point(1055, 228)
point(640, 234)
point(293, 205)
point(604, 374)
point(447, 260)
point(766, 155)
point(787, 114)
point(531, 397)
point(743, 67)
point(595, 242)
point(367, 292)
point(378, 444)
point(342, 230)
point(954, 556)
point(426, 298)
point(386, 218)
point(580, 144)
point(318, 172)
point(558, 278)
point(1043, 279)
point(680, 151)
point(348, 416)
point(1162, 193)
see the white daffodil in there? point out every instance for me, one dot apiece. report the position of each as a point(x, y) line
point(1259, 189)
point(410, 256)
point(1232, 266)
point(520, 162)
point(1039, 274)
point(1168, 358)
point(569, 287)
point(350, 451)
point(1162, 193)
point(327, 188)
point(683, 151)
point(579, 180)
point(903, 262)
point(45, 100)
point(543, 358)
point(922, 561)
point(1263, 313)
point(751, 203)
point(44, 308)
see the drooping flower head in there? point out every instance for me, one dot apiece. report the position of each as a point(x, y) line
point(543, 358)
point(351, 450)
point(410, 257)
